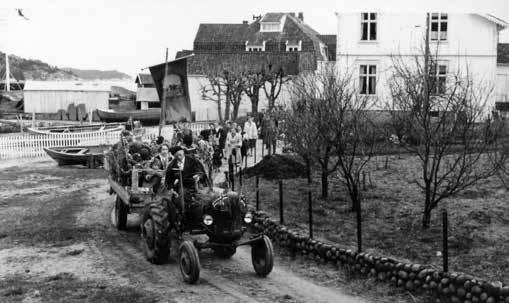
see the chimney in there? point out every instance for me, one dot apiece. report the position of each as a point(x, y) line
point(301, 16)
point(244, 22)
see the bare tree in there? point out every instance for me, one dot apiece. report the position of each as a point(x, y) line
point(273, 80)
point(227, 83)
point(213, 91)
point(443, 116)
point(253, 82)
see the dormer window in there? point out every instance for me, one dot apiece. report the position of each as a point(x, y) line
point(255, 48)
point(293, 47)
point(271, 27)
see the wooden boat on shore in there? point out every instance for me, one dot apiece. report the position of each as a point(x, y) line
point(66, 129)
point(151, 115)
point(89, 156)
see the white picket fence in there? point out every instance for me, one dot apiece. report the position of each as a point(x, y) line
point(31, 146)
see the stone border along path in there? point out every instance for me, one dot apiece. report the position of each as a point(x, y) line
point(444, 286)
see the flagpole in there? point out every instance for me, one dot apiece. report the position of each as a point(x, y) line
point(162, 119)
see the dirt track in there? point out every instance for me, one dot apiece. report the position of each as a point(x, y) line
point(57, 244)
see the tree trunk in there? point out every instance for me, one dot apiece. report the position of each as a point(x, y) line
point(254, 105)
point(325, 183)
point(219, 110)
point(426, 216)
point(227, 108)
point(235, 112)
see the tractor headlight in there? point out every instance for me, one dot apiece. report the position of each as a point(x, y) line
point(207, 220)
point(248, 218)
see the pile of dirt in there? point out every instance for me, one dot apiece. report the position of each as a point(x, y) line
point(276, 167)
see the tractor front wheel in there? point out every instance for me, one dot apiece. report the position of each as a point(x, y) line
point(155, 233)
point(189, 262)
point(262, 256)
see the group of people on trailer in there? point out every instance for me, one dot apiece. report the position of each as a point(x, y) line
point(227, 141)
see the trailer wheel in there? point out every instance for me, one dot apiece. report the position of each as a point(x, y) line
point(155, 233)
point(189, 262)
point(262, 256)
point(121, 211)
point(224, 252)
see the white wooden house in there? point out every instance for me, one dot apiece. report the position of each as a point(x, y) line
point(368, 42)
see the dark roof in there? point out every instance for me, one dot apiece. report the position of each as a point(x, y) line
point(328, 39)
point(272, 17)
point(208, 63)
point(503, 53)
point(221, 32)
point(144, 79)
point(183, 53)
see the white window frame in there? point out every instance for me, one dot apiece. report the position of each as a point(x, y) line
point(255, 48)
point(365, 77)
point(294, 47)
point(368, 23)
point(436, 75)
point(270, 27)
point(441, 35)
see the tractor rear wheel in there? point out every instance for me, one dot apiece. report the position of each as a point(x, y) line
point(121, 211)
point(189, 262)
point(155, 233)
point(262, 256)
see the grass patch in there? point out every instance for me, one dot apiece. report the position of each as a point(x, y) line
point(392, 212)
point(64, 287)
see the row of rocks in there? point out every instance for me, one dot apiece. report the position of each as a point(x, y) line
point(444, 286)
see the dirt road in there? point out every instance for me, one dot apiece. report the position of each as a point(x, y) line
point(57, 244)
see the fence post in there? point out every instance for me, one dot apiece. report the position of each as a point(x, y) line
point(256, 143)
point(310, 213)
point(257, 193)
point(445, 240)
point(359, 225)
point(281, 217)
point(240, 175)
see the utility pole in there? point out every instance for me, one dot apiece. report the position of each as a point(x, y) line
point(426, 66)
point(162, 119)
point(7, 73)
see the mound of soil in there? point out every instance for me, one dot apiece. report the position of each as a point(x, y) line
point(276, 167)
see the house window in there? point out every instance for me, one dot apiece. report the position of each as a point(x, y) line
point(255, 48)
point(294, 47)
point(367, 78)
point(271, 27)
point(438, 27)
point(368, 26)
point(438, 77)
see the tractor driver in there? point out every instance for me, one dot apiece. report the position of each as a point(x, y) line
point(191, 170)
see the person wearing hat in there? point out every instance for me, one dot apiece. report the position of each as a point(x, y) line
point(159, 162)
point(191, 169)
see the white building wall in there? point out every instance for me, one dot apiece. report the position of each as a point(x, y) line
point(207, 110)
point(502, 86)
point(471, 46)
point(53, 101)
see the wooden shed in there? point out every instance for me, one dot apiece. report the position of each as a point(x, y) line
point(52, 96)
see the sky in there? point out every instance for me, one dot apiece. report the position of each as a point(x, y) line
point(128, 35)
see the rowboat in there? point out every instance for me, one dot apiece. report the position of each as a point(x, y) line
point(151, 115)
point(65, 129)
point(90, 156)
